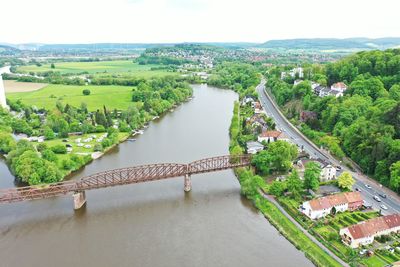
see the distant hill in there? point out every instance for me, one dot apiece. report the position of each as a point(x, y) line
point(5, 49)
point(333, 44)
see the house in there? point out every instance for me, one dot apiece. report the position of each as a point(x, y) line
point(272, 136)
point(318, 89)
point(307, 115)
point(314, 85)
point(325, 91)
point(364, 232)
point(254, 147)
point(340, 86)
point(321, 207)
point(293, 72)
point(246, 100)
point(335, 93)
point(257, 107)
point(328, 172)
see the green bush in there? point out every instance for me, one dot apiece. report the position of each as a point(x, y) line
point(59, 149)
point(86, 92)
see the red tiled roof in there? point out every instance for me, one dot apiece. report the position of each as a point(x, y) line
point(341, 85)
point(372, 226)
point(334, 200)
point(274, 134)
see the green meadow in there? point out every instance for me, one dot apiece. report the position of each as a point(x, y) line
point(116, 66)
point(112, 96)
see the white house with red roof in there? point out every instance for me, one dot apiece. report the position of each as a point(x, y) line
point(365, 232)
point(340, 86)
point(272, 136)
point(320, 207)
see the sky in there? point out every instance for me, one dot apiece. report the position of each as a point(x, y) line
point(168, 21)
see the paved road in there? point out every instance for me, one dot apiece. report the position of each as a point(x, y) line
point(392, 201)
point(271, 199)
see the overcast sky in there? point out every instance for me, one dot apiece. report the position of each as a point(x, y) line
point(90, 21)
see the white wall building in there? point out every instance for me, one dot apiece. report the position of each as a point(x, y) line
point(3, 102)
point(328, 173)
point(365, 232)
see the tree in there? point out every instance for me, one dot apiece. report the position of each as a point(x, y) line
point(53, 66)
point(277, 188)
point(48, 133)
point(278, 157)
point(7, 142)
point(346, 181)
point(86, 92)
point(294, 184)
point(49, 155)
point(311, 176)
point(395, 176)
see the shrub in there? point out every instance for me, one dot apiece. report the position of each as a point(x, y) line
point(86, 92)
point(49, 155)
point(59, 149)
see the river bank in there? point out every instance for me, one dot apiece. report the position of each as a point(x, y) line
point(152, 224)
point(251, 185)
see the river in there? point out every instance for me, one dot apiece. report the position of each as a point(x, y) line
point(155, 223)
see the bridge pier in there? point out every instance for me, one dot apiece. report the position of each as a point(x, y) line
point(187, 183)
point(79, 199)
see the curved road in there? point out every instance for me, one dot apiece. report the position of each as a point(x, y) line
point(392, 201)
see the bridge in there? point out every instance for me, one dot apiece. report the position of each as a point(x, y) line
point(131, 175)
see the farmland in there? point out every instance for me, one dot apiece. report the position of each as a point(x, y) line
point(118, 97)
point(12, 86)
point(117, 66)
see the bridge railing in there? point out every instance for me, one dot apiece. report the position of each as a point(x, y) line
point(123, 176)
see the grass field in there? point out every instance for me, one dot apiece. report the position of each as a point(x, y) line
point(12, 86)
point(117, 66)
point(112, 96)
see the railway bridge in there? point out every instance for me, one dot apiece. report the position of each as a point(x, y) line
point(131, 175)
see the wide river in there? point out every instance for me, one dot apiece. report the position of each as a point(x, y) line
point(155, 223)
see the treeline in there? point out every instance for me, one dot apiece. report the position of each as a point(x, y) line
point(365, 122)
point(145, 59)
point(242, 78)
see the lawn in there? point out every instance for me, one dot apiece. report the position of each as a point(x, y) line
point(112, 96)
point(90, 67)
point(72, 140)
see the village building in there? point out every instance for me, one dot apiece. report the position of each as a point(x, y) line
point(365, 232)
point(257, 107)
point(296, 82)
point(328, 171)
point(340, 86)
point(320, 207)
point(254, 147)
point(272, 136)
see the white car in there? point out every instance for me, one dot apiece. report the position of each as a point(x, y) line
point(368, 186)
point(377, 198)
point(79, 144)
point(384, 207)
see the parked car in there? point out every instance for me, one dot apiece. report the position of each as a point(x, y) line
point(368, 186)
point(363, 251)
point(384, 207)
point(358, 189)
point(383, 195)
point(377, 198)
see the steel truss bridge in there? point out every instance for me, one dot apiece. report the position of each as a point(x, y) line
point(124, 176)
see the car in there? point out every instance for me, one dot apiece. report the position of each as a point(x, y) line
point(391, 250)
point(338, 167)
point(368, 186)
point(377, 198)
point(384, 207)
point(358, 189)
point(383, 195)
point(363, 251)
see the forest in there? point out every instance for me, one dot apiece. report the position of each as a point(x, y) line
point(364, 124)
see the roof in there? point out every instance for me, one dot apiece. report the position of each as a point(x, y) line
point(274, 134)
point(372, 226)
point(334, 200)
point(254, 144)
point(340, 85)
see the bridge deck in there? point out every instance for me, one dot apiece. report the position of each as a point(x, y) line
point(137, 174)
